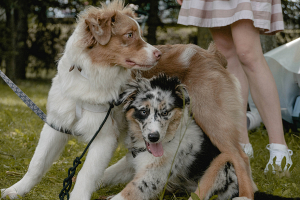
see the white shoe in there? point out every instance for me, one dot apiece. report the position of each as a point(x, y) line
point(279, 151)
point(247, 148)
point(253, 120)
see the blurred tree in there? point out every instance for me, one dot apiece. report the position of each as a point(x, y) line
point(9, 35)
point(291, 13)
point(21, 36)
point(159, 13)
point(153, 22)
point(204, 37)
point(15, 35)
point(31, 32)
point(150, 7)
point(17, 45)
point(291, 17)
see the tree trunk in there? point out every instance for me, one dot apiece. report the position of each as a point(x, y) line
point(153, 22)
point(22, 36)
point(268, 42)
point(11, 48)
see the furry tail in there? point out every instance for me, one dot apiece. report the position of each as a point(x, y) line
point(263, 196)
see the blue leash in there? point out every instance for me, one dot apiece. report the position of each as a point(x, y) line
point(24, 98)
point(31, 104)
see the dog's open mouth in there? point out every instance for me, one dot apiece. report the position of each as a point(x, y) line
point(155, 149)
point(130, 62)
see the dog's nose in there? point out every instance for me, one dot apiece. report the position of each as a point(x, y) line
point(157, 54)
point(153, 137)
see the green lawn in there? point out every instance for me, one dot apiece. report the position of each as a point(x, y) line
point(19, 134)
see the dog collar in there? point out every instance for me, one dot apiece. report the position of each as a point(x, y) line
point(136, 151)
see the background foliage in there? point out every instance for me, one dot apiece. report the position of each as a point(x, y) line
point(34, 32)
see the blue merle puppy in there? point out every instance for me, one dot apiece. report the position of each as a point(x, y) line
point(166, 146)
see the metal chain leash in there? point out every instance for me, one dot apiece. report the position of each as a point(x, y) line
point(67, 183)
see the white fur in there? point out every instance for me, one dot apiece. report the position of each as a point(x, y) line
point(103, 84)
point(183, 148)
point(186, 55)
point(161, 165)
point(94, 85)
point(121, 173)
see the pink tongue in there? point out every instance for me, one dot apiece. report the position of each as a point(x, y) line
point(156, 149)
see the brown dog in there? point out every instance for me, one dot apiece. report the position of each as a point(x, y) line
point(216, 104)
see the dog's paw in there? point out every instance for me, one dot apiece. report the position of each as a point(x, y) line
point(241, 198)
point(11, 193)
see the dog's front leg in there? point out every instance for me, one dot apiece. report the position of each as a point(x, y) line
point(147, 184)
point(121, 172)
point(50, 145)
point(97, 159)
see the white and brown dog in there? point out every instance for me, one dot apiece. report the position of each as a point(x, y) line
point(96, 63)
point(98, 60)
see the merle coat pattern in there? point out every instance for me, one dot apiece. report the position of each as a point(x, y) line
point(161, 129)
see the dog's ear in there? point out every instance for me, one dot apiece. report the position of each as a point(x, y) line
point(182, 93)
point(219, 56)
point(127, 97)
point(101, 28)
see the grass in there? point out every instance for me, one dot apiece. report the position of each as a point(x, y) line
point(19, 134)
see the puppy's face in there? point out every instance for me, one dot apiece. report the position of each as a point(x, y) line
point(154, 111)
point(112, 37)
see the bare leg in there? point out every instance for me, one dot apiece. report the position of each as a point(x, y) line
point(262, 84)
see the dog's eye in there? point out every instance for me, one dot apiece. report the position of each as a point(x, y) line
point(165, 113)
point(130, 35)
point(143, 112)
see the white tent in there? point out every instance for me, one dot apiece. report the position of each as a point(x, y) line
point(284, 63)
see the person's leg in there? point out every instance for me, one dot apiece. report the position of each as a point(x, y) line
point(262, 84)
point(224, 41)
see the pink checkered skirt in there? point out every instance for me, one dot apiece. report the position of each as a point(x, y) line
point(265, 14)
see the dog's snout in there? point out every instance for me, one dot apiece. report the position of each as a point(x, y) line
point(157, 54)
point(153, 137)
